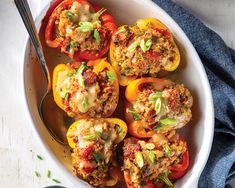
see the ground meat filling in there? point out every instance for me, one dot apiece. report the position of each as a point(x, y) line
point(159, 109)
point(93, 155)
point(85, 92)
point(80, 28)
point(143, 52)
point(146, 161)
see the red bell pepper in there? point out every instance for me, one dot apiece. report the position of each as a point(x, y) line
point(54, 41)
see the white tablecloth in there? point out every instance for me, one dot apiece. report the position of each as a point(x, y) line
point(18, 148)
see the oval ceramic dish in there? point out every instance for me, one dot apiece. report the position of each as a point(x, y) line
point(198, 133)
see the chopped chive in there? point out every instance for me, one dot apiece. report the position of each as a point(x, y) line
point(97, 157)
point(167, 150)
point(151, 156)
point(66, 96)
point(158, 105)
point(56, 181)
point(135, 114)
point(155, 96)
point(133, 46)
point(89, 137)
point(85, 103)
point(39, 157)
point(49, 174)
point(168, 121)
point(96, 35)
point(111, 75)
point(70, 15)
point(85, 26)
point(165, 179)
point(139, 159)
point(37, 174)
point(119, 130)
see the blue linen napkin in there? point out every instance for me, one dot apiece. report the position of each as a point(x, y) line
point(219, 62)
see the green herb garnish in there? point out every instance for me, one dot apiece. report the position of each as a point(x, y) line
point(139, 159)
point(97, 157)
point(81, 68)
point(85, 26)
point(96, 35)
point(69, 74)
point(149, 146)
point(70, 15)
point(135, 114)
point(119, 130)
point(56, 181)
point(85, 103)
point(151, 156)
point(89, 137)
point(96, 15)
point(145, 46)
point(98, 133)
point(168, 121)
point(73, 44)
point(158, 105)
point(155, 96)
point(66, 96)
point(165, 179)
point(133, 46)
point(167, 150)
point(111, 75)
point(39, 157)
point(37, 174)
point(49, 174)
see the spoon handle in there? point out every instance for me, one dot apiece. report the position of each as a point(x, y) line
point(26, 15)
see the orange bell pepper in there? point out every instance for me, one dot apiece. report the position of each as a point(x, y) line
point(144, 24)
point(53, 41)
point(96, 66)
point(135, 127)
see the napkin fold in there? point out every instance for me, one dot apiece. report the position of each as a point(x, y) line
point(219, 62)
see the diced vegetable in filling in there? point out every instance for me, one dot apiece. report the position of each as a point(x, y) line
point(94, 152)
point(80, 28)
point(86, 92)
point(166, 109)
point(143, 52)
point(149, 161)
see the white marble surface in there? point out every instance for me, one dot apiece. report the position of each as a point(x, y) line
point(18, 148)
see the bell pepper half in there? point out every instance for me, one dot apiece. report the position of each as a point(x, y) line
point(177, 98)
point(142, 26)
point(55, 40)
point(114, 172)
point(76, 70)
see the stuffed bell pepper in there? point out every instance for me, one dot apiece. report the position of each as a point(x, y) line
point(153, 163)
point(143, 50)
point(156, 105)
point(94, 144)
point(86, 89)
point(80, 29)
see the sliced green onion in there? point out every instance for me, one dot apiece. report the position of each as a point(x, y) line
point(165, 179)
point(96, 35)
point(168, 121)
point(70, 15)
point(39, 157)
point(56, 181)
point(155, 96)
point(98, 14)
point(149, 146)
point(167, 150)
point(148, 44)
point(98, 133)
point(151, 156)
point(135, 114)
point(69, 74)
point(73, 44)
point(111, 75)
point(49, 174)
point(97, 157)
point(158, 105)
point(158, 127)
point(81, 68)
point(89, 137)
point(66, 96)
point(139, 159)
point(85, 26)
point(119, 130)
point(145, 46)
point(85, 103)
point(37, 174)
point(133, 46)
